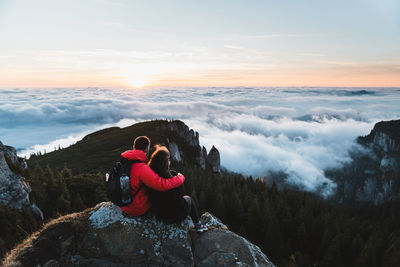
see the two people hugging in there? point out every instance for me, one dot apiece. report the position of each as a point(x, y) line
point(158, 188)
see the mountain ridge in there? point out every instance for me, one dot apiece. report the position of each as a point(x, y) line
point(85, 155)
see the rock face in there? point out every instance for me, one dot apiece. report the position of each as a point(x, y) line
point(374, 174)
point(102, 236)
point(189, 146)
point(385, 136)
point(14, 192)
point(174, 151)
point(220, 247)
point(11, 154)
point(213, 160)
point(203, 158)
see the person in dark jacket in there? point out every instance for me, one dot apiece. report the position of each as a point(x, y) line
point(171, 206)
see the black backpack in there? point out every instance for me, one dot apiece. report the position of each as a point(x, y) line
point(118, 184)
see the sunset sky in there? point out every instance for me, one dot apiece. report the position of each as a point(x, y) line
point(116, 43)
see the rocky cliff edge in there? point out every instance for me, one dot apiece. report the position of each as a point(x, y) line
point(14, 192)
point(373, 176)
point(102, 236)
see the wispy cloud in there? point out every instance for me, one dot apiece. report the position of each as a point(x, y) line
point(313, 55)
point(234, 47)
point(259, 36)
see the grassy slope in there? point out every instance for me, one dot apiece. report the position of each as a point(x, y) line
point(97, 151)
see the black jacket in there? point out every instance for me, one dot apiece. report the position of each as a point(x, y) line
point(169, 206)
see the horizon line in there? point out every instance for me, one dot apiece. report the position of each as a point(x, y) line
point(195, 86)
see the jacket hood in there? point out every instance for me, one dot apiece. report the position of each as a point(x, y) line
point(135, 155)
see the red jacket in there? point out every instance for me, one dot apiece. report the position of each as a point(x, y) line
point(141, 174)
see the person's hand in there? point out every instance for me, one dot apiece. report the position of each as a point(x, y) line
point(182, 176)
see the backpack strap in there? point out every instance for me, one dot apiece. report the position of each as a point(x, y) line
point(131, 163)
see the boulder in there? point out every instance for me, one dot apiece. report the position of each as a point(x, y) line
point(102, 236)
point(220, 247)
point(14, 192)
point(11, 154)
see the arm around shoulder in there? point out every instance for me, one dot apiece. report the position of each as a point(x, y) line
point(152, 180)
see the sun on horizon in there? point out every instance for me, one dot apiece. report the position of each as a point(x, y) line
point(137, 82)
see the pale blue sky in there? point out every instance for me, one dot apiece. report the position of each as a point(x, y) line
point(107, 42)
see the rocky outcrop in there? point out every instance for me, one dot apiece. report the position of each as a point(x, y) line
point(11, 154)
point(374, 174)
point(14, 192)
point(182, 130)
point(384, 136)
point(220, 247)
point(174, 152)
point(184, 144)
point(213, 160)
point(102, 236)
point(203, 158)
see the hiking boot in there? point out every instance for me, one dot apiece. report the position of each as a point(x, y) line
point(200, 228)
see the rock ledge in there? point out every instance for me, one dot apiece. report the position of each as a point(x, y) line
point(102, 236)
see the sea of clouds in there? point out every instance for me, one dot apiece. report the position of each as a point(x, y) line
point(298, 131)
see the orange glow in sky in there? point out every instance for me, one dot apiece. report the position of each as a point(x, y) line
point(147, 43)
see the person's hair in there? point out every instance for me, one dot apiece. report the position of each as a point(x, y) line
point(141, 143)
point(159, 161)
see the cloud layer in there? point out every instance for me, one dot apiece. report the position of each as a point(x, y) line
point(300, 131)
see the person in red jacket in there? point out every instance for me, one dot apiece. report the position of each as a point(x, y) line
point(141, 174)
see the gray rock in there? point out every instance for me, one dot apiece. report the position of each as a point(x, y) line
point(190, 137)
point(369, 172)
point(51, 263)
point(390, 163)
point(348, 189)
point(220, 259)
point(386, 142)
point(191, 142)
point(220, 247)
point(370, 186)
point(104, 237)
point(14, 192)
point(203, 158)
point(136, 240)
point(35, 209)
point(174, 152)
point(213, 160)
point(11, 154)
point(373, 176)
